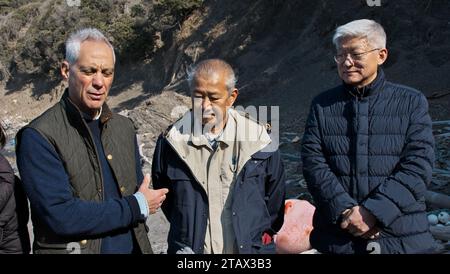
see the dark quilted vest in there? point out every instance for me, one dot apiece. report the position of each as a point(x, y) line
point(63, 127)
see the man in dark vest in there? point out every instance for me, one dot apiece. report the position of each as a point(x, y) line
point(79, 163)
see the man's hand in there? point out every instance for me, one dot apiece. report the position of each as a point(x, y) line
point(358, 221)
point(155, 197)
point(372, 234)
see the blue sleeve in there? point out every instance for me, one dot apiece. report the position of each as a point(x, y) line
point(327, 191)
point(48, 188)
point(143, 204)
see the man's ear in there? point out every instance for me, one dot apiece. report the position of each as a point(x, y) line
point(234, 94)
point(65, 67)
point(382, 56)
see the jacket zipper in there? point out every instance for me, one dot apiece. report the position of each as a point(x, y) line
point(355, 184)
point(355, 157)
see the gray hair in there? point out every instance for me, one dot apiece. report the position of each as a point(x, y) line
point(211, 68)
point(364, 28)
point(75, 39)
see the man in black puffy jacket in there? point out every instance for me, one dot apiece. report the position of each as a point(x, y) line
point(14, 238)
point(368, 154)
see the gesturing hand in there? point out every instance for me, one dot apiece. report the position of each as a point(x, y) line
point(155, 197)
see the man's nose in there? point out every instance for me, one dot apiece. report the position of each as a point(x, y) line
point(205, 103)
point(348, 62)
point(98, 81)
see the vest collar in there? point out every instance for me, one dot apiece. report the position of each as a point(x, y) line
point(247, 137)
point(74, 111)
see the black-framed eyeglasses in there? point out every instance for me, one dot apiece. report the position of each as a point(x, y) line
point(354, 56)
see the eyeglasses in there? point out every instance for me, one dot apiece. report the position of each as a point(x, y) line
point(340, 58)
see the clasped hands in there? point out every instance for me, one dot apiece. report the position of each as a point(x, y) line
point(359, 222)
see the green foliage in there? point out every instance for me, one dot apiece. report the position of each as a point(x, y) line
point(137, 11)
point(100, 6)
point(7, 6)
point(181, 4)
point(34, 35)
point(130, 39)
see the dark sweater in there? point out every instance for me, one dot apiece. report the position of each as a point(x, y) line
point(121, 240)
point(52, 199)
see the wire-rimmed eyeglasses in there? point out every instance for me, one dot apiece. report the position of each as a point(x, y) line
point(354, 56)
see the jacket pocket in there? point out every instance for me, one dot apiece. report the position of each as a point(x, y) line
point(178, 174)
point(256, 169)
point(182, 185)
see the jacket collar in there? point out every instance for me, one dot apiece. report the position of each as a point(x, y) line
point(74, 111)
point(247, 137)
point(227, 137)
point(199, 140)
point(375, 87)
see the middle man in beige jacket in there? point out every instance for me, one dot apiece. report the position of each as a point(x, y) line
point(223, 170)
